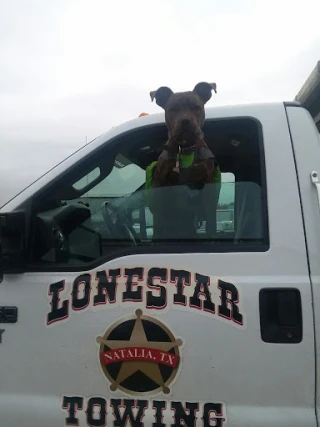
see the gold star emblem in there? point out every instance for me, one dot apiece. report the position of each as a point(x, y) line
point(139, 354)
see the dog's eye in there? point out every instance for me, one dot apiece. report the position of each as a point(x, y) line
point(195, 107)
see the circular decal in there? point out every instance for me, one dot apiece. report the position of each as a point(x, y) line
point(139, 355)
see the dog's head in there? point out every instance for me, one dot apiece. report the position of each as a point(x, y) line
point(184, 111)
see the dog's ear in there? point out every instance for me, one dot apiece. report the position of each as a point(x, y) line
point(203, 90)
point(161, 95)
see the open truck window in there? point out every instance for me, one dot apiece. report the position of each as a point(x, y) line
point(101, 208)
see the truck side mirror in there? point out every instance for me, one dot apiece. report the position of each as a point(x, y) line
point(13, 242)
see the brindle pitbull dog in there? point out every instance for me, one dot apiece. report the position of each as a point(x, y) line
point(184, 115)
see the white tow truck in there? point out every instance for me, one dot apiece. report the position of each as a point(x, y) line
point(103, 325)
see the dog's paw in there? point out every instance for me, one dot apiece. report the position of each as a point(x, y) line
point(198, 174)
point(173, 178)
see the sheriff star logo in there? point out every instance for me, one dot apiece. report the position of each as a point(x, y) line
point(139, 355)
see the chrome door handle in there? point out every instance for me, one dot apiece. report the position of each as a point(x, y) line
point(315, 180)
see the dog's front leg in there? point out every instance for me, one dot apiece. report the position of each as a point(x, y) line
point(164, 174)
point(163, 177)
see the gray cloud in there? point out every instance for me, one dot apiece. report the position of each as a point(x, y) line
point(74, 69)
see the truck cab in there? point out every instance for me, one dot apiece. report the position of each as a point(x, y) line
point(102, 324)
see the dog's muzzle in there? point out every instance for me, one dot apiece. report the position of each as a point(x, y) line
point(187, 141)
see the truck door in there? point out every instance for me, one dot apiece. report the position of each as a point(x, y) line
point(117, 327)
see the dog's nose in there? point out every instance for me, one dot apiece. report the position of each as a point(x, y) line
point(185, 122)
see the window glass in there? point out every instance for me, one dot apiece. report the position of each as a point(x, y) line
point(122, 181)
point(113, 207)
point(225, 209)
point(86, 180)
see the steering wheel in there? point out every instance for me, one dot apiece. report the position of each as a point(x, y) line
point(119, 227)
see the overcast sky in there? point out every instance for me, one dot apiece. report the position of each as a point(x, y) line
point(74, 68)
